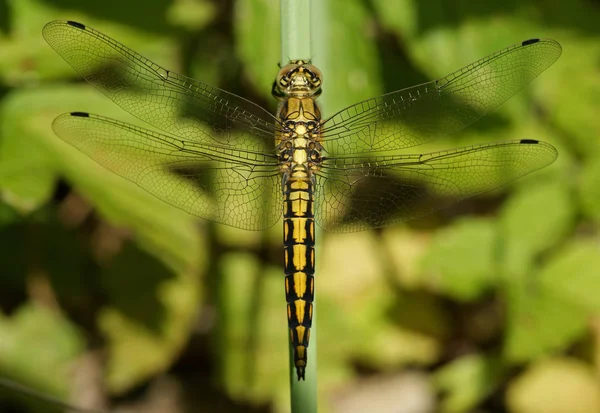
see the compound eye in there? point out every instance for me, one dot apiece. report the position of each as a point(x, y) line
point(284, 81)
point(315, 74)
point(284, 75)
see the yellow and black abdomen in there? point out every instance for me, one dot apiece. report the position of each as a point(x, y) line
point(299, 250)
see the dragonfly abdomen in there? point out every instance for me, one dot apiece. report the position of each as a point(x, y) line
point(299, 256)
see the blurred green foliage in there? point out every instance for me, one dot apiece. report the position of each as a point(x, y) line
point(496, 299)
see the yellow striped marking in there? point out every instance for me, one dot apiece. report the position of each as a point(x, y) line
point(299, 283)
point(299, 208)
point(299, 201)
point(293, 106)
point(300, 157)
point(299, 185)
point(300, 308)
point(300, 129)
point(301, 330)
point(299, 257)
point(299, 231)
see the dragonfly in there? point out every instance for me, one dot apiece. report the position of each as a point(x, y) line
point(225, 159)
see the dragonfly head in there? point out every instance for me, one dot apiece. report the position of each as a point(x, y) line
point(298, 79)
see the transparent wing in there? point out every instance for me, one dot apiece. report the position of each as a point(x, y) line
point(419, 114)
point(355, 194)
point(169, 101)
point(234, 187)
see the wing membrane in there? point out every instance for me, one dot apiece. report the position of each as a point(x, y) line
point(419, 114)
point(233, 187)
point(354, 194)
point(220, 162)
point(169, 101)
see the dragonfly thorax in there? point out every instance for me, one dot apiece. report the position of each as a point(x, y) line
point(300, 154)
point(300, 139)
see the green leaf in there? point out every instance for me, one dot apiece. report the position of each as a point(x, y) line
point(573, 275)
point(556, 385)
point(406, 249)
point(351, 73)
point(532, 221)
point(540, 323)
point(150, 317)
point(461, 258)
point(39, 348)
point(258, 43)
point(589, 188)
point(442, 36)
point(356, 302)
point(252, 333)
point(192, 14)
point(390, 344)
point(466, 381)
point(139, 349)
point(553, 309)
point(27, 174)
point(400, 16)
point(28, 58)
point(576, 92)
point(24, 184)
point(161, 229)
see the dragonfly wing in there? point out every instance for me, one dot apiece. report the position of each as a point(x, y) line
point(234, 187)
point(419, 114)
point(355, 194)
point(176, 104)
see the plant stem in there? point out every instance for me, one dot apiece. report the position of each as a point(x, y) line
point(296, 39)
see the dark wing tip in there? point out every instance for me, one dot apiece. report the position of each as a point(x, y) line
point(80, 114)
point(76, 24)
point(529, 141)
point(530, 41)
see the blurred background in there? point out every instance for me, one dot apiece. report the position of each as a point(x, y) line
point(111, 299)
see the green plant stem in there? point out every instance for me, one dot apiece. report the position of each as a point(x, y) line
point(296, 42)
point(296, 39)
